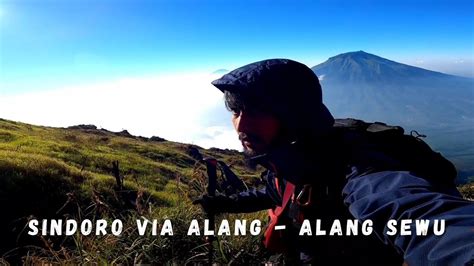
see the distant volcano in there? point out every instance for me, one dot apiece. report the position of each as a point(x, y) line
point(363, 85)
point(221, 71)
point(363, 67)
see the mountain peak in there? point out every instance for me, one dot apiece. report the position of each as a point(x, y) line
point(363, 67)
point(354, 54)
point(221, 71)
point(361, 57)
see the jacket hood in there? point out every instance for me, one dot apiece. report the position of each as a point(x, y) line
point(290, 87)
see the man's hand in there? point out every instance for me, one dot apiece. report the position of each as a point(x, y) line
point(213, 204)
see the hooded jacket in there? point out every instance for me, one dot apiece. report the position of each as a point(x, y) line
point(346, 188)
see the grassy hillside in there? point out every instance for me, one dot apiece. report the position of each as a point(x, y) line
point(68, 173)
point(62, 173)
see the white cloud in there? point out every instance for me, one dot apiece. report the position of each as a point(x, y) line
point(220, 136)
point(175, 107)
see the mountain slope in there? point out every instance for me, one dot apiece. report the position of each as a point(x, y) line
point(362, 85)
point(58, 173)
point(364, 67)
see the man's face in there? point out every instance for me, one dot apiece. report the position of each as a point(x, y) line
point(257, 130)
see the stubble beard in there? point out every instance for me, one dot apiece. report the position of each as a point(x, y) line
point(248, 155)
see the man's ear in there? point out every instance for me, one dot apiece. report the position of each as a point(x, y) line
point(285, 137)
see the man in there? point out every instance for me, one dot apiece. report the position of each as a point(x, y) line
point(315, 173)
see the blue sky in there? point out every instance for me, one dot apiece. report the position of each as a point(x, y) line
point(52, 45)
point(66, 41)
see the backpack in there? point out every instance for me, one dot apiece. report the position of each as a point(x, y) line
point(389, 147)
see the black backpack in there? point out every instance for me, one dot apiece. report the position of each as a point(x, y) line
point(390, 145)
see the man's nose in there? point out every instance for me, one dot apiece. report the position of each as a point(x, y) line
point(243, 122)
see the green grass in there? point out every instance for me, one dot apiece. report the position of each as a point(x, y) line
point(59, 173)
point(62, 173)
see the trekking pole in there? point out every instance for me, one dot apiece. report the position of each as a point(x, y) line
point(211, 165)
